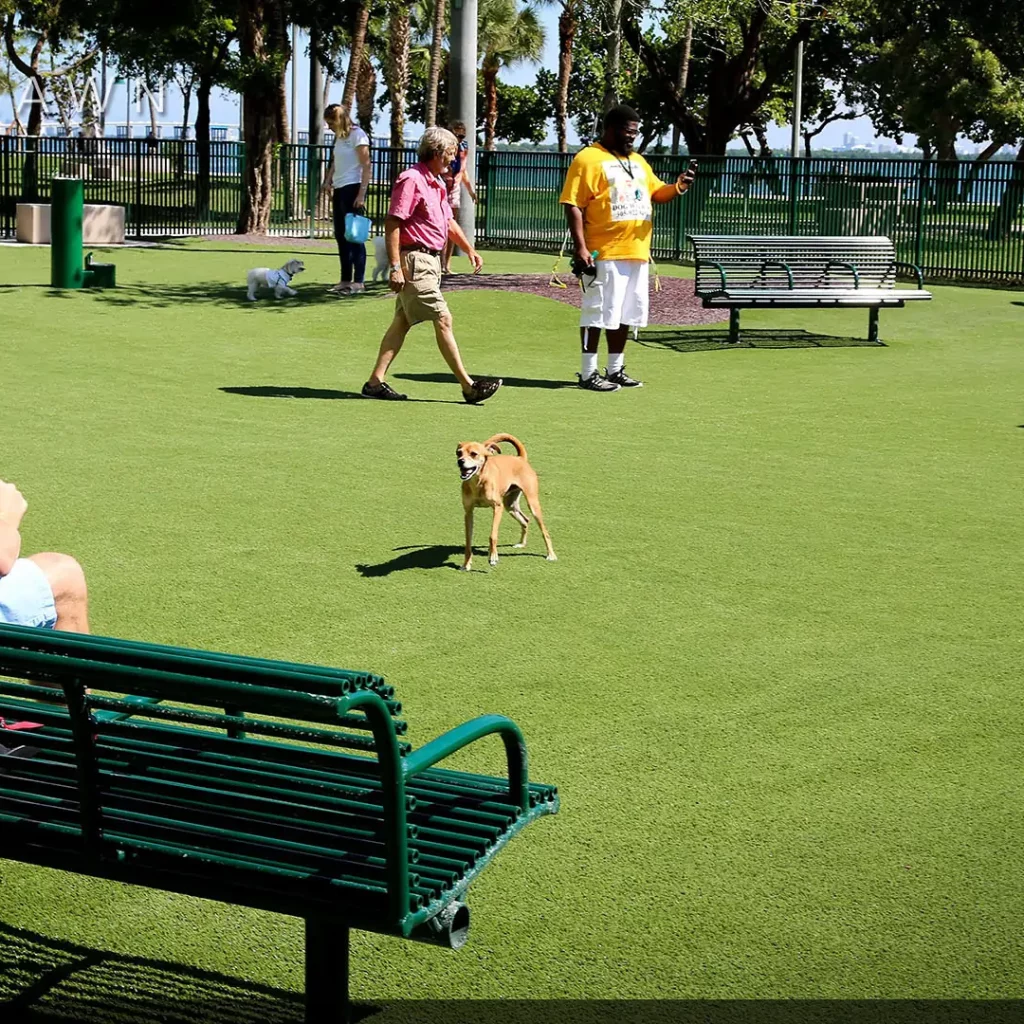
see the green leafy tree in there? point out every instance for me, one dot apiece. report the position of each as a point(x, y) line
point(508, 35)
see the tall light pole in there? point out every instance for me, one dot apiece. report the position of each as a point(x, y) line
point(462, 94)
point(295, 84)
point(798, 97)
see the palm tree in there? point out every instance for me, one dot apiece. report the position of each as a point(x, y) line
point(508, 35)
point(436, 48)
point(366, 93)
point(568, 22)
point(396, 67)
point(355, 60)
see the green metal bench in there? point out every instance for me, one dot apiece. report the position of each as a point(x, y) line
point(279, 786)
point(796, 271)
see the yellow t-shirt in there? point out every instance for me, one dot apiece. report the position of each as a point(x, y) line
point(614, 194)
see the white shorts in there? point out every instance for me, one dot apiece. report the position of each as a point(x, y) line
point(616, 296)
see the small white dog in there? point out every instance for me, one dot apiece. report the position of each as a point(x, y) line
point(380, 255)
point(280, 280)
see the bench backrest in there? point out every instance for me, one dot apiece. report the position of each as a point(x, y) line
point(160, 754)
point(793, 261)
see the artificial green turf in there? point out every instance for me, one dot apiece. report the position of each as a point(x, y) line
point(775, 671)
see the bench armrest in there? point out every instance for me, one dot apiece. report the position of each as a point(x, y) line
point(469, 732)
point(914, 267)
point(718, 267)
point(848, 266)
point(780, 264)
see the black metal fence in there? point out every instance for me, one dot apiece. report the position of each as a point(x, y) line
point(957, 219)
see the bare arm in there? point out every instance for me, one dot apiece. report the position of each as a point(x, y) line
point(574, 218)
point(12, 508)
point(392, 242)
point(667, 193)
point(363, 152)
point(458, 236)
point(468, 181)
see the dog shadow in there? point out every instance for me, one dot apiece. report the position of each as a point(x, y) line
point(689, 340)
point(433, 556)
point(508, 382)
point(330, 394)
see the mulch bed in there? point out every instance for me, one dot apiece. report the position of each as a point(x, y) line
point(675, 303)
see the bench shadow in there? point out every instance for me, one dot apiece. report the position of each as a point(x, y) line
point(274, 391)
point(703, 340)
point(508, 382)
point(50, 981)
point(45, 981)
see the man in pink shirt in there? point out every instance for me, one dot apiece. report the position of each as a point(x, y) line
point(418, 224)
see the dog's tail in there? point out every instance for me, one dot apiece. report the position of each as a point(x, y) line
point(495, 441)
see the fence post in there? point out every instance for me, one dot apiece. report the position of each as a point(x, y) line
point(483, 178)
point(312, 184)
point(5, 187)
point(794, 187)
point(137, 206)
point(921, 180)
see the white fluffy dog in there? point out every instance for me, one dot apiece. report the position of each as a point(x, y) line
point(279, 280)
point(380, 255)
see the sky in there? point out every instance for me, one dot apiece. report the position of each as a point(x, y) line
point(224, 106)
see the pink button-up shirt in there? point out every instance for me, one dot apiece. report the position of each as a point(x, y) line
point(420, 201)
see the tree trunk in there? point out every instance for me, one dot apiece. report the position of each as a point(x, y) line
point(567, 25)
point(682, 80)
point(613, 35)
point(979, 162)
point(436, 44)
point(366, 93)
point(30, 169)
point(490, 73)
point(203, 90)
point(1002, 221)
point(396, 72)
point(355, 60)
point(262, 36)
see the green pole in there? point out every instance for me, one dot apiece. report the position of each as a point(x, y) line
point(67, 207)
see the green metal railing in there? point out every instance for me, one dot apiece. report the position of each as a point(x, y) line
point(956, 219)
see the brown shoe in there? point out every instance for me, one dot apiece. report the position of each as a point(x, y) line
point(482, 390)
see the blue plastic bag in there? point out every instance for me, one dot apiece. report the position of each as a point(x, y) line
point(357, 228)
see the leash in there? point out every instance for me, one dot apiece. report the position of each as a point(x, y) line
point(555, 281)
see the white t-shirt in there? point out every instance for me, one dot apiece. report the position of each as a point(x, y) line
point(347, 169)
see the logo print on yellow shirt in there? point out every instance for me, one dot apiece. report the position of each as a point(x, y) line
point(627, 195)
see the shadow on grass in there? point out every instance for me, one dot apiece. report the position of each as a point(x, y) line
point(414, 556)
point(434, 556)
point(508, 382)
point(273, 391)
point(210, 293)
point(703, 340)
point(49, 981)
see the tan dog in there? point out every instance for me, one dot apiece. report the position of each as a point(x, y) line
point(490, 478)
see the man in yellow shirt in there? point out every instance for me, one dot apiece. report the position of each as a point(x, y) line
point(607, 197)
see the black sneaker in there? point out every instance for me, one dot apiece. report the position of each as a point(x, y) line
point(622, 378)
point(482, 390)
point(382, 390)
point(595, 382)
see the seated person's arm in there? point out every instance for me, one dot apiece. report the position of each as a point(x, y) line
point(12, 508)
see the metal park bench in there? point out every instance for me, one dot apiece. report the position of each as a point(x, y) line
point(799, 272)
point(279, 786)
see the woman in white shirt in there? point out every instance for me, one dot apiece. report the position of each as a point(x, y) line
point(350, 177)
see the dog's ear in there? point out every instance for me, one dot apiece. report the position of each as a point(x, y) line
point(493, 449)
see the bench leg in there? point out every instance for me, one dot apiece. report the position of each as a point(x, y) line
point(873, 324)
point(734, 326)
point(326, 972)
